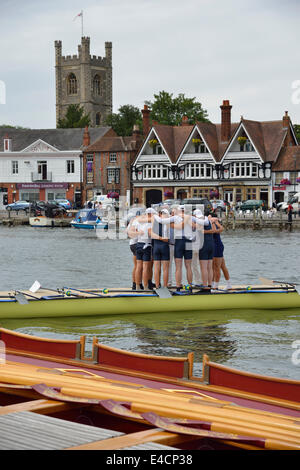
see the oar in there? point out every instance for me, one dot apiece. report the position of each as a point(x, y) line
point(264, 280)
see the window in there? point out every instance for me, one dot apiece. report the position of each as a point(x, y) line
point(89, 169)
point(15, 167)
point(72, 84)
point(201, 193)
point(198, 170)
point(97, 89)
point(243, 170)
point(70, 166)
point(155, 172)
point(112, 157)
point(113, 175)
point(98, 119)
point(157, 150)
point(251, 193)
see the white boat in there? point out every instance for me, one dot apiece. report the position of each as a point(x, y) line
point(43, 221)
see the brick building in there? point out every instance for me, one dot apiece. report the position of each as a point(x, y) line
point(107, 164)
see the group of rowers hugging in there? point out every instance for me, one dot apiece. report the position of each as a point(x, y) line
point(158, 238)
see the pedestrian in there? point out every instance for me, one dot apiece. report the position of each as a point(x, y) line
point(290, 213)
point(206, 254)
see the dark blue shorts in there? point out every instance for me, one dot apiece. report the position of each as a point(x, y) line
point(133, 249)
point(143, 254)
point(207, 251)
point(180, 250)
point(161, 251)
point(218, 250)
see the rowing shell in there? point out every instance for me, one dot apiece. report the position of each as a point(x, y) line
point(93, 302)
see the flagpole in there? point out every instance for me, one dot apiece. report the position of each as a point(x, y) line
point(82, 23)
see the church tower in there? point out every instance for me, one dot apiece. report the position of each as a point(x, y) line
point(84, 79)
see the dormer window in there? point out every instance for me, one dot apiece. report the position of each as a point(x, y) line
point(7, 145)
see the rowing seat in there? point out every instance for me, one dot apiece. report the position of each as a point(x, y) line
point(14, 341)
point(176, 367)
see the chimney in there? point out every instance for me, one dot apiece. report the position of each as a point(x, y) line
point(185, 121)
point(7, 143)
point(86, 137)
point(225, 121)
point(286, 125)
point(146, 119)
point(136, 132)
point(286, 120)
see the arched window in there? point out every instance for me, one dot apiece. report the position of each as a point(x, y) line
point(98, 119)
point(97, 85)
point(72, 84)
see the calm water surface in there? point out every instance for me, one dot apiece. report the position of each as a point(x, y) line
point(256, 341)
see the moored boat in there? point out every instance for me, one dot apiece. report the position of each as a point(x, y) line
point(88, 219)
point(71, 302)
point(146, 398)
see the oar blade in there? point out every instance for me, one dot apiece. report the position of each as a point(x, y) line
point(163, 293)
point(21, 299)
point(35, 287)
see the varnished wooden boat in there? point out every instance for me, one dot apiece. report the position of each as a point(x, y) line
point(146, 397)
point(71, 302)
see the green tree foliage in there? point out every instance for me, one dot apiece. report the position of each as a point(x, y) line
point(123, 121)
point(9, 126)
point(74, 117)
point(297, 131)
point(165, 109)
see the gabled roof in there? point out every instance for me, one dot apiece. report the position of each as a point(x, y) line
point(172, 138)
point(288, 159)
point(61, 139)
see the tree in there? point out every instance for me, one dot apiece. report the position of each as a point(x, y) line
point(9, 126)
point(297, 131)
point(123, 121)
point(168, 110)
point(74, 117)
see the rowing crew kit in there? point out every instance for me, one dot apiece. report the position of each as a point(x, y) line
point(40, 301)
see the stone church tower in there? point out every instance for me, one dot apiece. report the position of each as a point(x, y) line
point(84, 79)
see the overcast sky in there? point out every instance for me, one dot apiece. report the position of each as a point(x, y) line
point(246, 51)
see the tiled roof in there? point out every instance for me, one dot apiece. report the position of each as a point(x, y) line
point(288, 159)
point(173, 138)
point(62, 139)
point(112, 144)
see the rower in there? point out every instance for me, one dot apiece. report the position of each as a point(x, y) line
point(218, 259)
point(144, 249)
point(161, 251)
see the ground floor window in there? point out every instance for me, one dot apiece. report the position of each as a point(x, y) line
point(202, 193)
point(30, 196)
point(55, 195)
point(251, 193)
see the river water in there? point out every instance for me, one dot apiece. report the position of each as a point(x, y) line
point(255, 341)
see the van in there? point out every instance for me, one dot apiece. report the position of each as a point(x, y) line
point(105, 201)
point(294, 200)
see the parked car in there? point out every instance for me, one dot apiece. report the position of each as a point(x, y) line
point(195, 201)
point(62, 202)
point(220, 204)
point(18, 206)
point(293, 200)
point(251, 205)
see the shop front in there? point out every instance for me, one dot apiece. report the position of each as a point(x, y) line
point(33, 192)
